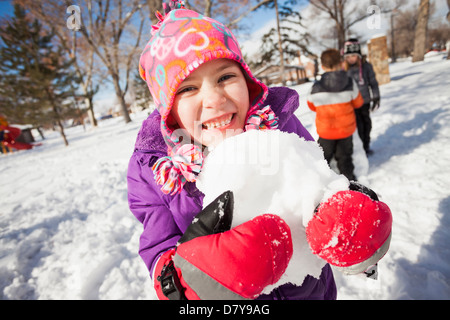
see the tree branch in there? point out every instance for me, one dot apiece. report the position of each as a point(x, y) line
point(242, 16)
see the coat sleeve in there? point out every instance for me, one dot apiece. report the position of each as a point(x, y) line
point(149, 206)
point(357, 99)
point(309, 102)
point(373, 83)
point(311, 105)
point(293, 125)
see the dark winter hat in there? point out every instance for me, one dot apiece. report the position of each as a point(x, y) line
point(352, 46)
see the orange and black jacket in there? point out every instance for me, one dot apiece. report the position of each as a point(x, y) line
point(334, 98)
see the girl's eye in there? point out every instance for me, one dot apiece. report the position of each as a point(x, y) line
point(226, 77)
point(186, 89)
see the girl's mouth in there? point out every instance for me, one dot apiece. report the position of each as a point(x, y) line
point(219, 122)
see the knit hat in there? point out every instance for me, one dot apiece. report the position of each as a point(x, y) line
point(181, 41)
point(351, 231)
point(352, 46)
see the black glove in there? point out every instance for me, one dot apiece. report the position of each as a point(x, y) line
point(375, 104)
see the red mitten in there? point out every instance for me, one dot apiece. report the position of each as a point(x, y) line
point(234, 264)
point(351, 230)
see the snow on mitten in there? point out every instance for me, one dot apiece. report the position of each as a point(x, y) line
point(351, 230)
point(212, 262)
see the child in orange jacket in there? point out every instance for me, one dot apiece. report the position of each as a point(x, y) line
point(334, 98)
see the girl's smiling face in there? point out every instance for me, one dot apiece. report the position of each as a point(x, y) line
point(212, 102)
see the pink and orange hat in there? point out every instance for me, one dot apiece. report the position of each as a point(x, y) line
point(180, 42)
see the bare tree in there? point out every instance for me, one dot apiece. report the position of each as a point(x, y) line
point(420, 37)
point(109, 31)
point(403, 31)
point(344, 14)
point(283, 42)
point(49, 12)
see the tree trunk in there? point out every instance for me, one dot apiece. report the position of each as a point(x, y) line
point(121, 99)
point(280, 46)
point(340, 24)
point(420, 36)
point(90, 111)
point(56, 114)
point(60, 125)
point(88, 98)
point(393, 55)
point(340, 36)
point(61, 128)
point(208, 8)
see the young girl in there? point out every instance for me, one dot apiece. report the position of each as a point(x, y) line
point(204, 92)
point(362, 72)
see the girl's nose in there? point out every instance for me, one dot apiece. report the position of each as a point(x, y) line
point(213, 98)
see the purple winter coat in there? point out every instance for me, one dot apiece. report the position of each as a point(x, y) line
point(165, 218)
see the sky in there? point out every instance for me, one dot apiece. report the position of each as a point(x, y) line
point(5, 7)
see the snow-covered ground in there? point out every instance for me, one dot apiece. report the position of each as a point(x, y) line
point(66, 231)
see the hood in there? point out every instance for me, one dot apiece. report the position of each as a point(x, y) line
point(334, 81)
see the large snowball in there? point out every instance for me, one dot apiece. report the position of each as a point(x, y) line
point(278, 173)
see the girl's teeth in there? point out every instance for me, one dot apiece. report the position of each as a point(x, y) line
point(214, 125)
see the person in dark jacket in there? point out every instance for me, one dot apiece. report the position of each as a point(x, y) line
point(362, 72)
point(335, 98)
